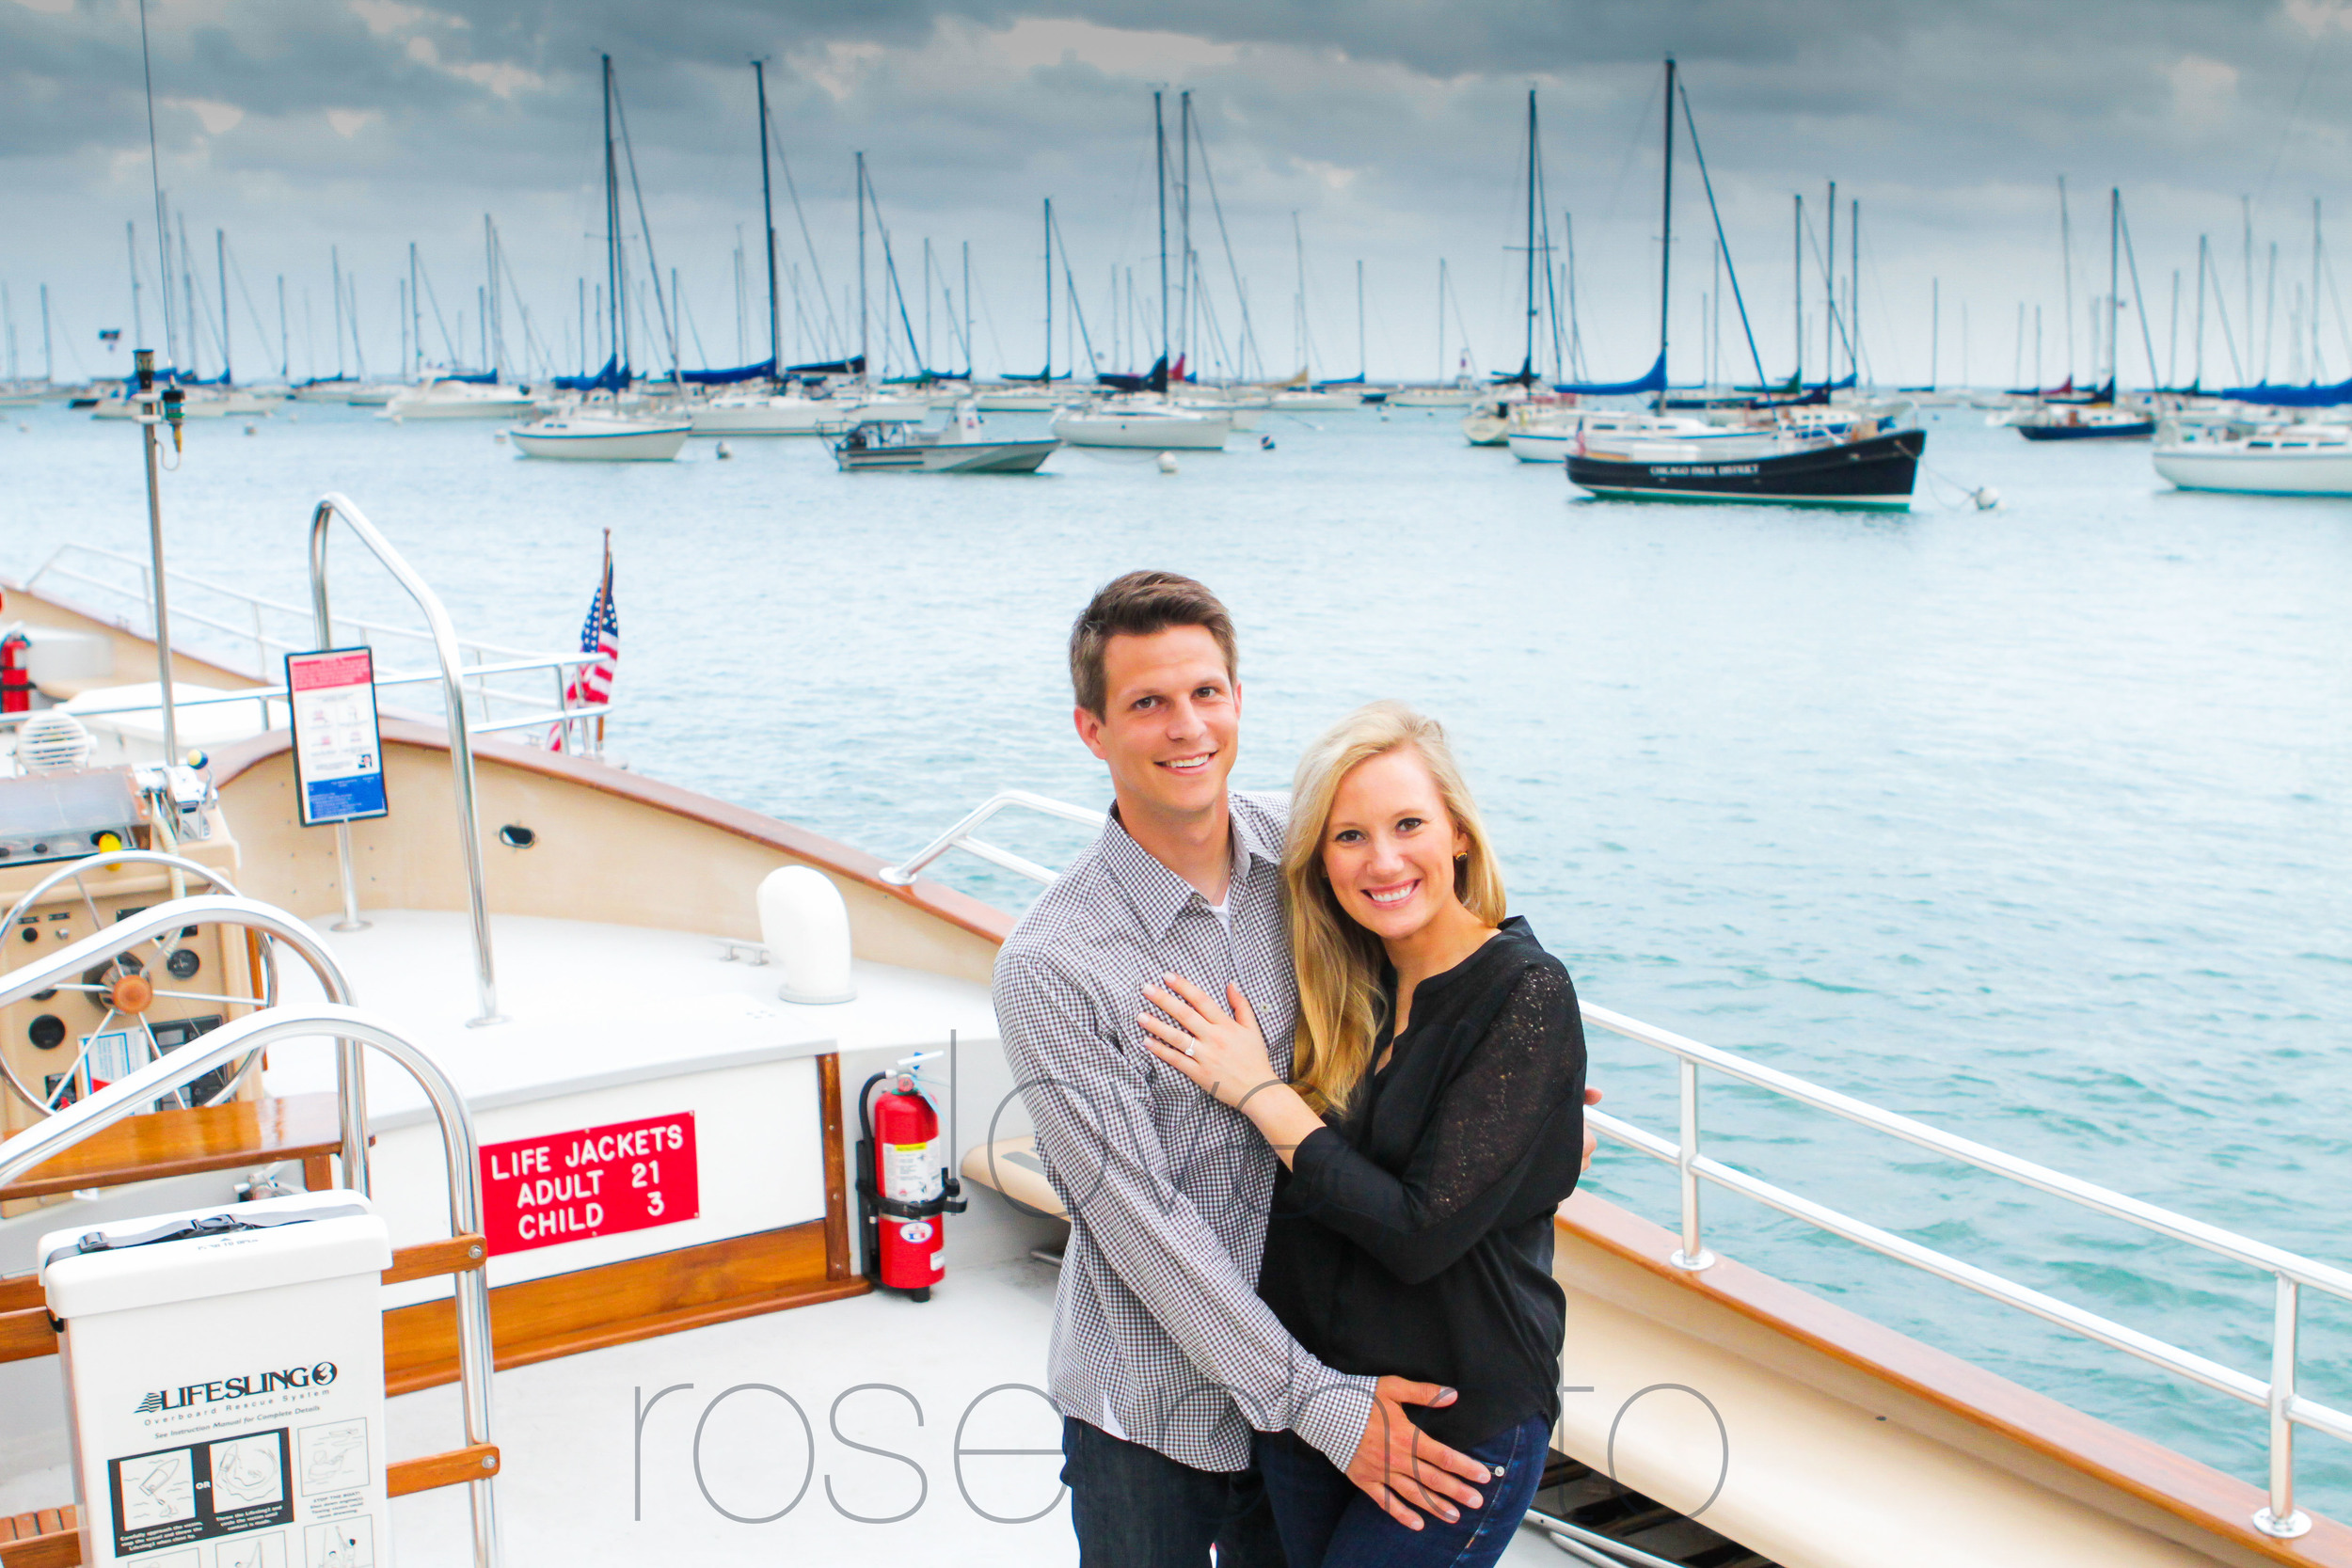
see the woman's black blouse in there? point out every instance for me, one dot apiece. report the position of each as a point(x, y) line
point(1413, 1234)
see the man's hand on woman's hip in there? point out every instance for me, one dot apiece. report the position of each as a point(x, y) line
point(1402, 1469)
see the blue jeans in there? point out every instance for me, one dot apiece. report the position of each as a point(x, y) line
point(1136, 1508)
point(1326, 1522)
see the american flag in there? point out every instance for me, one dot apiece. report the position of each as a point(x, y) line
point(600, 635)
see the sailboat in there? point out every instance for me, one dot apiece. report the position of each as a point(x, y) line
point(2100, 418)
point(1488, 421)
point(1867, 461)
point(595, 428)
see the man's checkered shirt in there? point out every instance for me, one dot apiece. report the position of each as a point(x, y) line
point(1159, 1335)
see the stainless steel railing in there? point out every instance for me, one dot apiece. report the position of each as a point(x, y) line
point(332, 506)
point(260, 630)
point(130, 1095)
point(961, 836)
point(2290, 1272)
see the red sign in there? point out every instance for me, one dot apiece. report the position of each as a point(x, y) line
point(597, 1181)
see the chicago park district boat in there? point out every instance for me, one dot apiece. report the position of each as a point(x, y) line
point(603, 1043)
point(1868, 464)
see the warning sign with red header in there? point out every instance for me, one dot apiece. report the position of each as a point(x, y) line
point(597, 1181)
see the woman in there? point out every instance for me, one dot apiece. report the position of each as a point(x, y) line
point(1433, 1121)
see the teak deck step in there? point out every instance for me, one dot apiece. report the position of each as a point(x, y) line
point(44, 1540)
point(185, 1142)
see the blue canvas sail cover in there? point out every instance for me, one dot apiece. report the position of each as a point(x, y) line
point(613, 378)
point(1155, 382)
point(760, 372)
point(1653, 380)
point(474, 378)
point(854, 365)
point(2292, 397)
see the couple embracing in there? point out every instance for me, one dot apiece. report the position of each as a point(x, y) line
point(1310, 1097)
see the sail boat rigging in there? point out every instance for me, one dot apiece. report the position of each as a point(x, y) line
point(1863, 462)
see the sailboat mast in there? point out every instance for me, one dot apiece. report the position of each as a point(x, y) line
point(2315, 290)
point(1444, 371)
point(2115, 240)
point(138, 317)
point(614, 295)
point(1362, 364)
point(335, 263)
point(1048, 375)
point(2066, 273)
point(285, 339)
point(1666, 224)
point(1799, 333)
point(220, 265)
point(1829, 285)
point(1159, 142)
point(968, 355)
point(1527, 361)
point(768, 224)
point(865, 365)
point(1183, 222)
point(416, 318)
point(1854, 295)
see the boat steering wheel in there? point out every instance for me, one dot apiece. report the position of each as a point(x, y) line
point(129, 984)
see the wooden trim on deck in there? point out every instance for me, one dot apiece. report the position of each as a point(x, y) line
point(49, 1537)
point(933, 898)
point(538, 1320)
point(475, 1462)
point(838, 1258)
point(2214, 1503)
point(162, 1144)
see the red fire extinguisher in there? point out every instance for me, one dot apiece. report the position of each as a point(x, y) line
point(904, 1188)
point(16, 682)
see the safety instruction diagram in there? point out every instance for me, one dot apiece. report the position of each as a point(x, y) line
point(176, 1496)
point(338, 744)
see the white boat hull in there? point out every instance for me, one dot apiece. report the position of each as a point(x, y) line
point(404, 410)
point(1152, 432)
point(658, 444)
point(2288, 472)
point(769, 417)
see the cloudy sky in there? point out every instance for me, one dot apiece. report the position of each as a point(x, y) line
point(1383, 131)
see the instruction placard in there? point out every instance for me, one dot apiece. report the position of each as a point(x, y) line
point(338, 744)
point(599, 1181)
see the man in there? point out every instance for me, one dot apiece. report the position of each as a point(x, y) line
point(1164, 1359)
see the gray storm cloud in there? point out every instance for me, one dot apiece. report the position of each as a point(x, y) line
point(1393, 130)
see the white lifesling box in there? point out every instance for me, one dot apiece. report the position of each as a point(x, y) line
point(224, 1374)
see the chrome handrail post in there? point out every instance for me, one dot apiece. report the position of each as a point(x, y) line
point(2278, 1517)
point(1692, 1255)
point(454, 697)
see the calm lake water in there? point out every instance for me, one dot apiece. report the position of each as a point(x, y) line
point(2030, 823)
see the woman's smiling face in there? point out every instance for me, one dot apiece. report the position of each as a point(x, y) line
point(1389, 847)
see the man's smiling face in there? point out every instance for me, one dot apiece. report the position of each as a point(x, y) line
point(1170, 722)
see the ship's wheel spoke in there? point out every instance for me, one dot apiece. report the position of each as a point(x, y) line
point(205, 996)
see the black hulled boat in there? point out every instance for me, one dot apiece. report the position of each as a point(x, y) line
point(1872, 470)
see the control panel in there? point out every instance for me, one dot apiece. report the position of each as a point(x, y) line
point(113, 1017)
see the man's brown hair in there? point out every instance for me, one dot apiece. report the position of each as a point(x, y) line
point(1138, 605)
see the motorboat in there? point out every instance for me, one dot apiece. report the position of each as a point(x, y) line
point(960, 445)
point(2271, 460)
point(1871, 466)
point(458, 400)
point(947, 441)
point(585, 434)
point(754, 414)
point(2084, 422)
point(1143, 419)
point(596, 1048)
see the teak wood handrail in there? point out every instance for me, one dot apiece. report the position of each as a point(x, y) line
point(188, 1143)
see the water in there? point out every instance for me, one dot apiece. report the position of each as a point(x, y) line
point(2029, 823)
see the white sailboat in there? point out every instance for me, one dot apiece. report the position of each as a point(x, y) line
point(458, 400)
point(1143, 419)
point(2272, 460)
point(589, 434)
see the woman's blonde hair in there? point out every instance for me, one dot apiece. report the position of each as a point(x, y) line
point(1339, 962)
